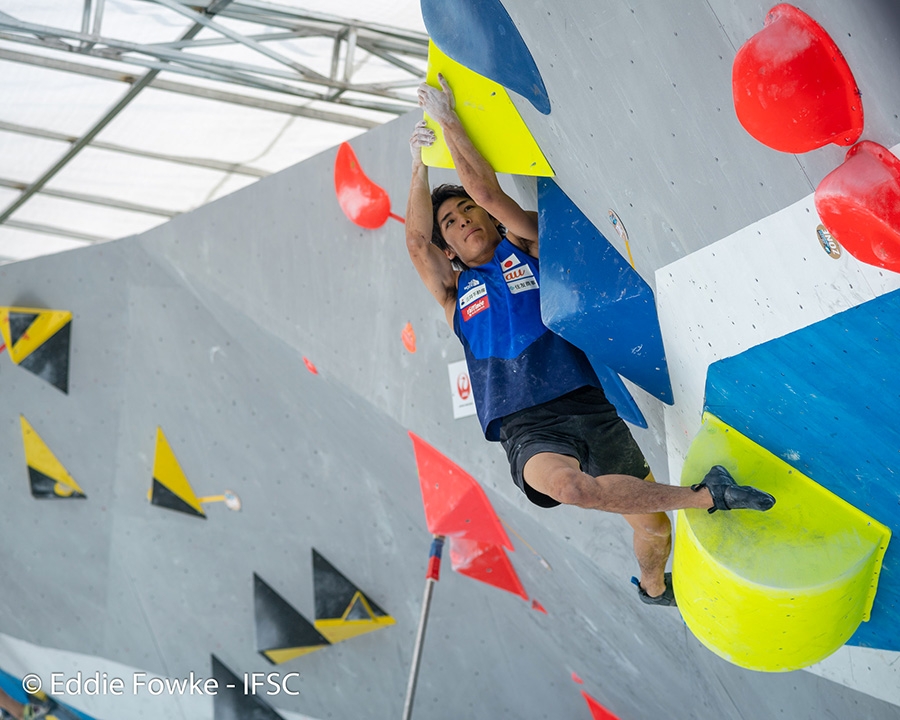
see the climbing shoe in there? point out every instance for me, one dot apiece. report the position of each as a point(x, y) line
point(38, 706)
point(728, 495)
point(666, 599)
point(35, 712)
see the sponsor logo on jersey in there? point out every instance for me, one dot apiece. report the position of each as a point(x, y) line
point(474, 302)
point(519, 279)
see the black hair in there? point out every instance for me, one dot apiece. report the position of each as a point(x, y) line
point(438, 196)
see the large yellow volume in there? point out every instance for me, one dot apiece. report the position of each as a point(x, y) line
point(778, 590)
point(490, 119)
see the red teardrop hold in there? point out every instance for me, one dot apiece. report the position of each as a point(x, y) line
point(859, 203)
point(362, 201)
point(793, 89)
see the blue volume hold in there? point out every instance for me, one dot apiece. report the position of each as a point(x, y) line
point(593, 298)
point(825, 399)
point(618, 395)
point(480, 35)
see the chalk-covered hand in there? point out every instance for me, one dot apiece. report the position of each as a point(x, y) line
point(439, 104)
point(423, 136)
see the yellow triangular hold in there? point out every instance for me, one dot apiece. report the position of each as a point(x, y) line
point(45, 325)
point(39, 457)
point(282, 655)
point(491, 120)
point(168, 473)
point(337, 630)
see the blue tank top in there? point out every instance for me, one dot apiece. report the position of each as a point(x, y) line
point(514, 361)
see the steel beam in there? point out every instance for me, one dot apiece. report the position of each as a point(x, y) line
point(83, 141)
point(50, 230)
point(195, 65)
point(208, 93)
point(208, 164)
point(92, 199)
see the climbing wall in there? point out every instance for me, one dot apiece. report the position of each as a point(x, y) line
point(286, 352)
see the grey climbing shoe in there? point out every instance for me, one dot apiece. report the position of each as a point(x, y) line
point(33, 711)
point(666, 599)
point(728, 495)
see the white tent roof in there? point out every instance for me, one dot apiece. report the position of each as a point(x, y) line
point(126, 179)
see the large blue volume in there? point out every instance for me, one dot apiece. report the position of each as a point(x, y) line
point(595, 299)
point(481, 35)
point(826, 399)
point(618, 395)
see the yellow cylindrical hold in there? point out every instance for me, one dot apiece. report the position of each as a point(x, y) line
point(779, 590)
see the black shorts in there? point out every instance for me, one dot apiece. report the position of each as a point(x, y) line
point(583, 425)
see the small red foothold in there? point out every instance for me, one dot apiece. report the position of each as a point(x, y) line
point(535, 605)
point(409, 337)
point(577, 679)
point(598, 712)
point(310, 366)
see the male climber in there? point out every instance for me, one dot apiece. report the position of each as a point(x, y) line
point(476, 250)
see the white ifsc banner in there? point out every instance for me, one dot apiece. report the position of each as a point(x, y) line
point(461, 390)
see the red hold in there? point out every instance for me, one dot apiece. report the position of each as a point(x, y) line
point(793, 89)
point(362, 201)
point(487, 563)
point(408, 336)
point(598, 712)
point(859, 203)
point(455, 505)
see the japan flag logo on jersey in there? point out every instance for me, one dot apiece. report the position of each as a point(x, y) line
point(510, 262)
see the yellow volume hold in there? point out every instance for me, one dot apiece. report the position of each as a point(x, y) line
point(778, 590)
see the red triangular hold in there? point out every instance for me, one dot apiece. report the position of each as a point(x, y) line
point(535, 605)
point(455, 504)
point(487, 563)
point(598, 712)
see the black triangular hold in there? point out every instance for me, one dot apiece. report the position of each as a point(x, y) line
point(50, 361)
point(334, 592)
point(162, 496)
point(19, 324)
point(42, 486)
point(358, 610)
point(230, 702)
point(278, 625)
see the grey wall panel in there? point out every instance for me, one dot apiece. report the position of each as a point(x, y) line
point(206, 341)
point(642, 121)
point(52, 598)
point(200, 326)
